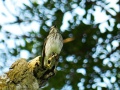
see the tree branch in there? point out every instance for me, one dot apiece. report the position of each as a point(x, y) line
point(25, 75)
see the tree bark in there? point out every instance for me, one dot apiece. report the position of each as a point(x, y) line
point(25, 75)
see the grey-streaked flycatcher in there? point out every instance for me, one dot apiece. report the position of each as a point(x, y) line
point(52, 46)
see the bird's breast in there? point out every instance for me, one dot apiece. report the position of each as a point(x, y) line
point(53, 45)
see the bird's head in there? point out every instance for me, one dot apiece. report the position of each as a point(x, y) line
point(53, 29)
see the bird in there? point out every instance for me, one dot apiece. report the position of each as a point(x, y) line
point(52, 47)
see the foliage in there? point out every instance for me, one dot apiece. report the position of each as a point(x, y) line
point(91, 60)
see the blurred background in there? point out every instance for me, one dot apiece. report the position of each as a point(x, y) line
point(90, 58)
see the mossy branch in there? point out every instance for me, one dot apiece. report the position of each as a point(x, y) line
point(25, 75)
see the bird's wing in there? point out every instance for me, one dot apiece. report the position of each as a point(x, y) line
point(43, 54)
